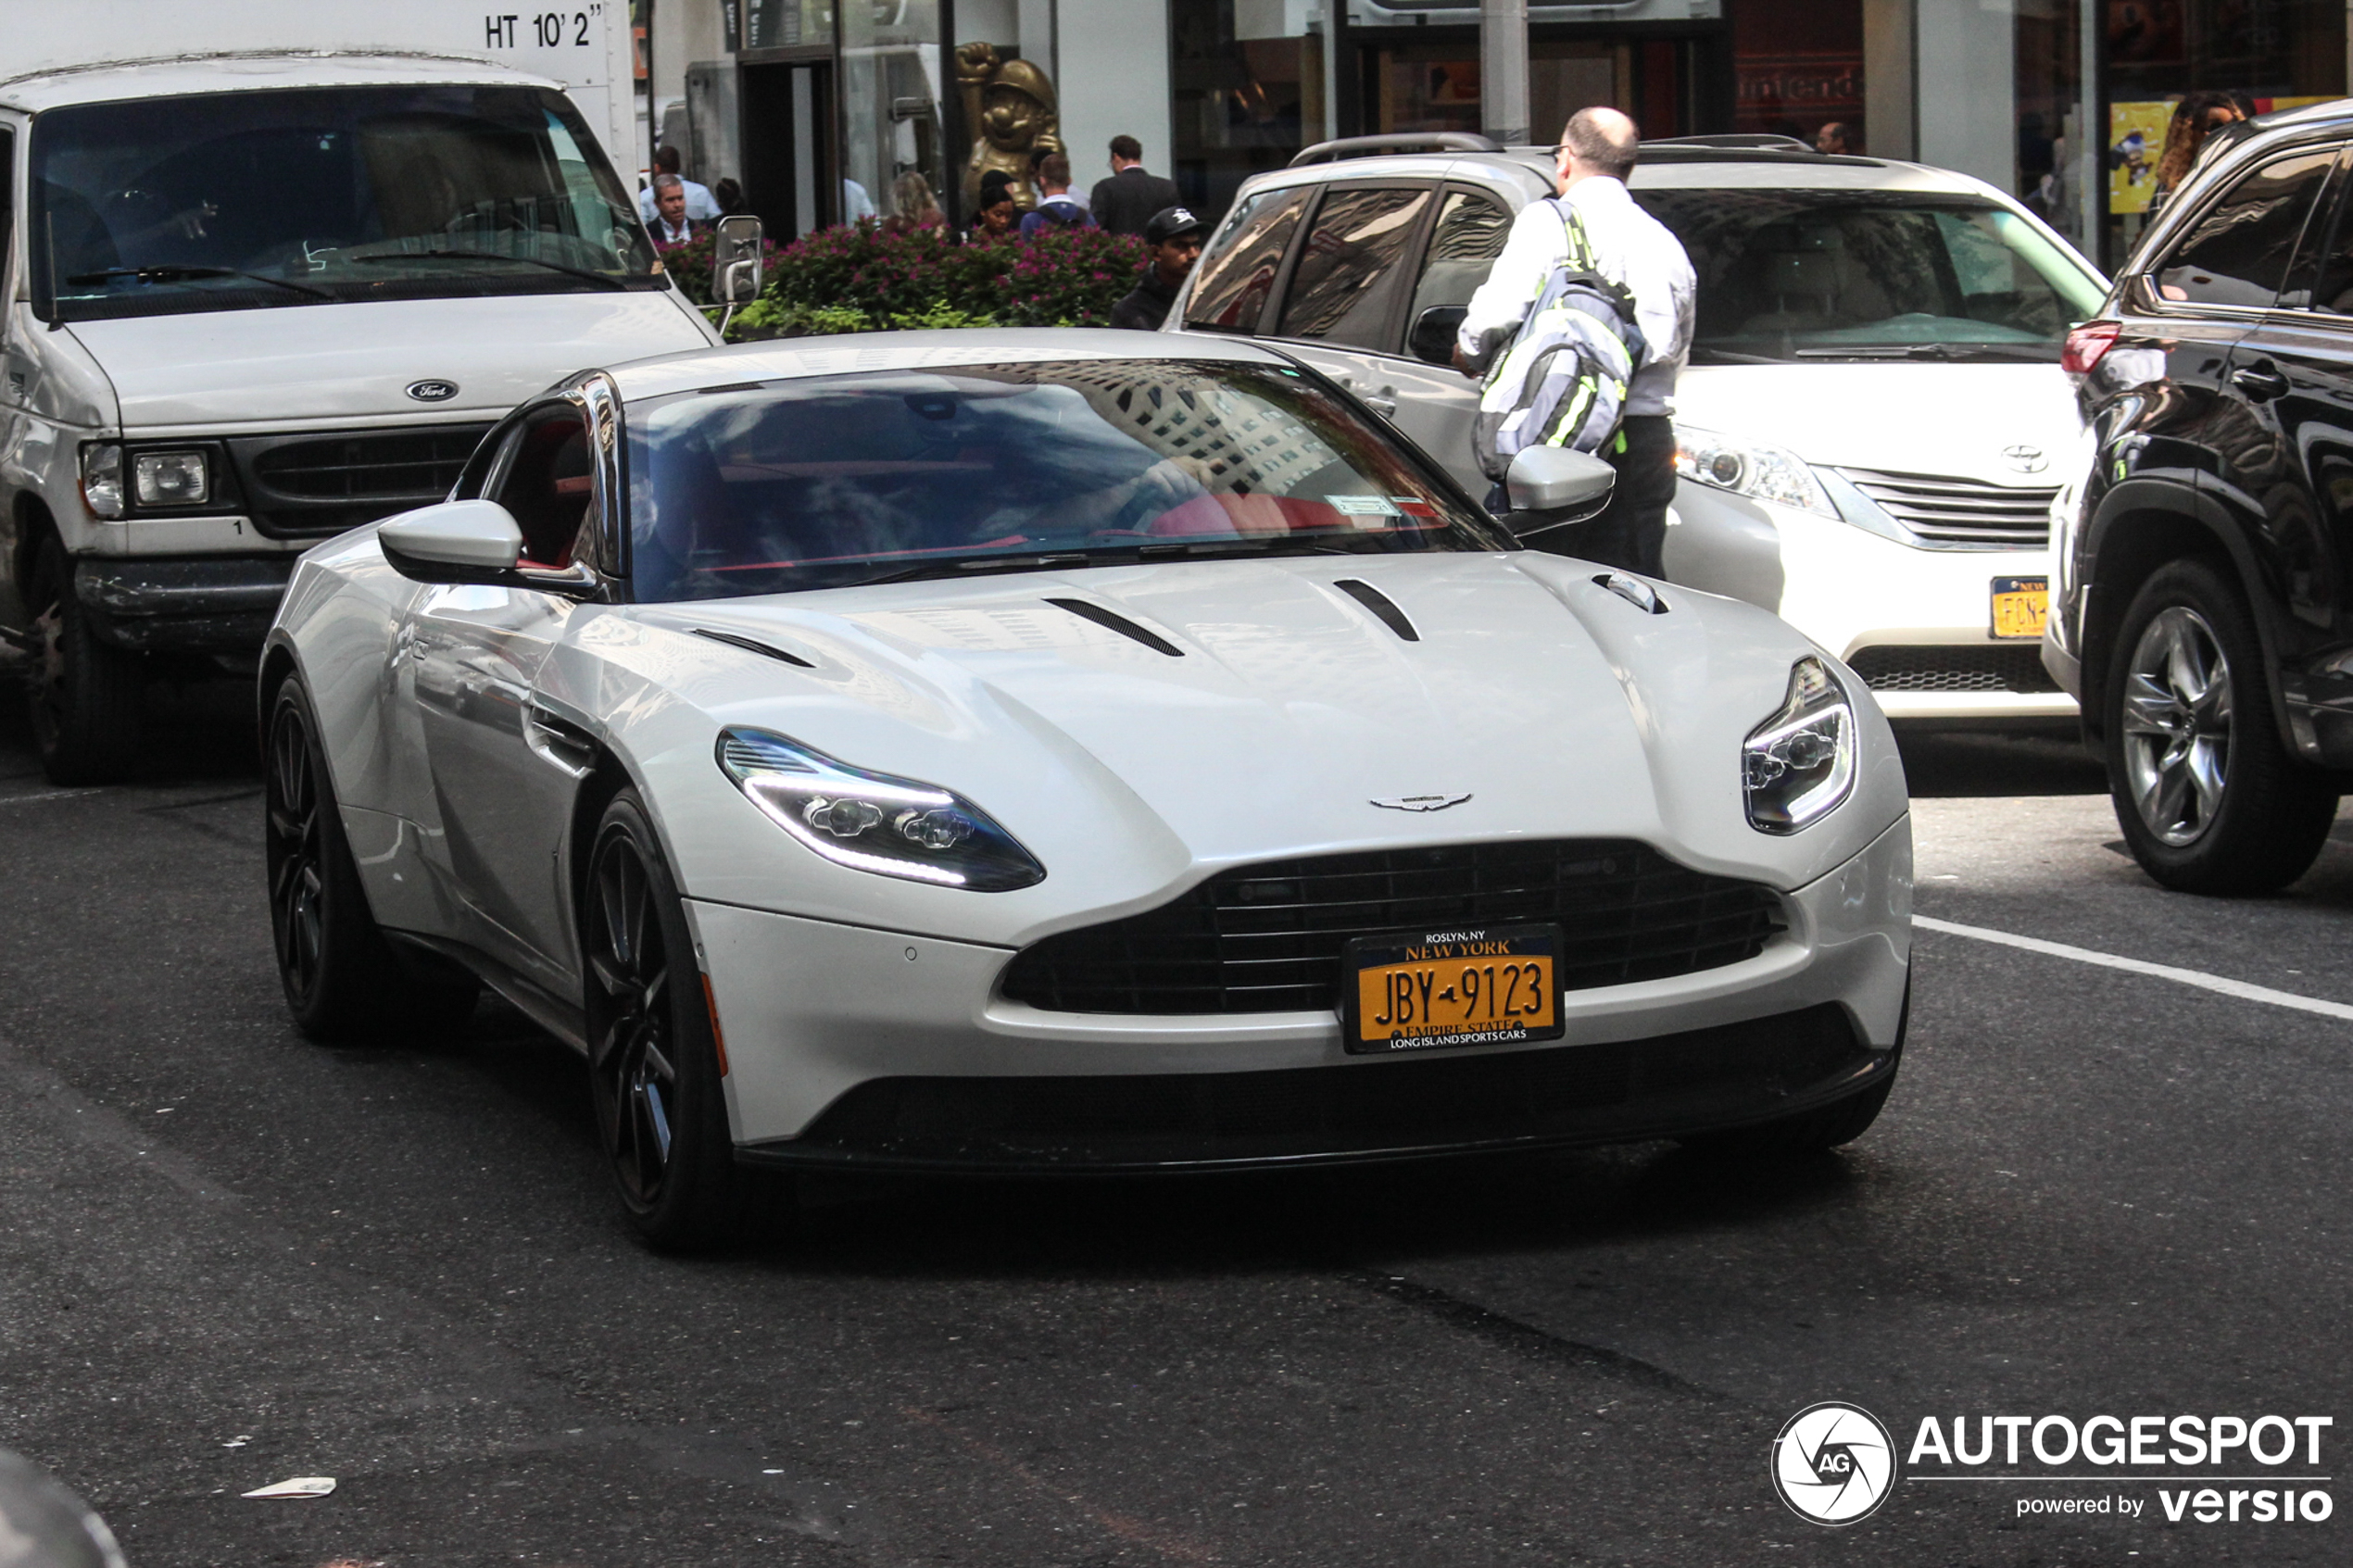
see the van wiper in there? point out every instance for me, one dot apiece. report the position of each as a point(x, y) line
point(1950, 353)
point(167, 271)
point(600, 279)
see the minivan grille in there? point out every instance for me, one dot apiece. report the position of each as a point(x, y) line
point(1967, 667)
point(1269, 938)
point(324, 482)
point(1948, 513)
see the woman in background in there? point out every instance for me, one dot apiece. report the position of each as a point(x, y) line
point(912, 206)
point(2195, 117)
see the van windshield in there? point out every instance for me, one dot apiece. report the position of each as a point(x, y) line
point(1795, 275)
point(246, 200)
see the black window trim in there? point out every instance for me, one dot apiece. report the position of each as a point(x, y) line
point(2227, 180)
point(1393, 329)
point(2332, 218)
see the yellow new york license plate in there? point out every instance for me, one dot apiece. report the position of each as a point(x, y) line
point(2020, 605)
point(1471, 986)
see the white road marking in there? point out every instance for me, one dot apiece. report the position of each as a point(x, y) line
point(2198, 978)
point(49, 794)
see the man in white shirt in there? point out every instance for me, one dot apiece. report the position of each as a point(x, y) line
point(1630, 248)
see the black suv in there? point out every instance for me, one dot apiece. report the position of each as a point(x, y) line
point(2203, 610)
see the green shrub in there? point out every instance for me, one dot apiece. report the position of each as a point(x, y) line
point(1069, 277)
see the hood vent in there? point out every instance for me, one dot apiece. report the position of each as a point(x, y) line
point(1384, 608)
point(753, 645)
point(1116, 621)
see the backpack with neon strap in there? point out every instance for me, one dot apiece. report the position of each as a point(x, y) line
point(1562, 379)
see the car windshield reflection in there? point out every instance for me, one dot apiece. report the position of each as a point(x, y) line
point(827, 482)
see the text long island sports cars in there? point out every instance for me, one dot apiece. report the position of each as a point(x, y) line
point(1070, 751)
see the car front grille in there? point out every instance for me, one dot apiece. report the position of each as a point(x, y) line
point(1962, 514)
point(1269, 938)
point(324, 482)
point(1969, 667)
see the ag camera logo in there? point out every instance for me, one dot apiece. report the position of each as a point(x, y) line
point(1834, 1464)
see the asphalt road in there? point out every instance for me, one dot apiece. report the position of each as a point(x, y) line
point(228, 1257)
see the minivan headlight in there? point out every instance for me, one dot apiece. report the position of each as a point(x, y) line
point(1799, 764)
point(873, 822)
point(1754, 469)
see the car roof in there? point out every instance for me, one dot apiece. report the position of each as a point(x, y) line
point(790, 359)
point(113, 81)
point(1665, 166)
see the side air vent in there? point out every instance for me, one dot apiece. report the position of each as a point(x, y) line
point(1381, 605)
point(753, 645)
point(1117, 622)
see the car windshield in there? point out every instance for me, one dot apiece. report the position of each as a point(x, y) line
point(246, 200)
point(831, 481)
point(1792, 275)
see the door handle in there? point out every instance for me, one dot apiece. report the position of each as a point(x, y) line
point(1385, 407)
point(2260, 382)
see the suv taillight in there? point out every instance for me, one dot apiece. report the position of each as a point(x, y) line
point(2085, 345)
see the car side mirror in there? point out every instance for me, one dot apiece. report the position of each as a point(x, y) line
point(1433, 339)
point(1552, 487)
point(454, 542)
point(736, 261)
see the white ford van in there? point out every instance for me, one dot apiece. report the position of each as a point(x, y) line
point(255, 300)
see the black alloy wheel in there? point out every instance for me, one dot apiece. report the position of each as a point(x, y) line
point(86, 693)
point(653, 1061)
point(2209, 796)
point(341, 977)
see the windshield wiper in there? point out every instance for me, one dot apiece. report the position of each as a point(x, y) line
point(1128, 555)
point(599, 279)
point(164, 273)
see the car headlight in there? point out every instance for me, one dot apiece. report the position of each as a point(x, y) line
point(170, 479)
point(1750, 467)
point(873, 822)
point(102, 479)
point(1800, 763)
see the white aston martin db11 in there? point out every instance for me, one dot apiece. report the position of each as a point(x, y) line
point(1072, 751)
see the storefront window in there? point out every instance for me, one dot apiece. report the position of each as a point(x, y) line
point(1240, 102)
point(2263, 54)
point(1797, 67)
point(891, 92)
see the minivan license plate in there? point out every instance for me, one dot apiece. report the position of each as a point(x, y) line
point(1474, 986)
point(2020, 605)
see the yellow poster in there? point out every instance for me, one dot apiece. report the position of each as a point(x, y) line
point(2135, 140)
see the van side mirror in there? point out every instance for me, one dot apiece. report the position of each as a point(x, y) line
point(736, 261)
point(1433, 339)
point(1552, 486)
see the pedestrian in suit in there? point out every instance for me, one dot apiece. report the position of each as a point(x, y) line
point(1125, 202)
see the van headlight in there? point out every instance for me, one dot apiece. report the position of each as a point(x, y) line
point(873, 822)
point(1753, 469)
point(1799, 764)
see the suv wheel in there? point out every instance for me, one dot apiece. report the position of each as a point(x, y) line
point(85, 692)
point(2208, 799)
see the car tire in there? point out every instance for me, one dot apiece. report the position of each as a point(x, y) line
point(655, 1062)
point(342, 978)
point(2208, 799)
point(1813, 1132)
point(86, 693)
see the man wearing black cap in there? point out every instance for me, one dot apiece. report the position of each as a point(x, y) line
point(1174, 239)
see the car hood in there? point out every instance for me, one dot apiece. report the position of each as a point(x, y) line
point(231, 369)
point(1533, 702)
point(2003, 424)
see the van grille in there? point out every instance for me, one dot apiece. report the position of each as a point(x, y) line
point(1269, 938)
point(1962, 514)
point(324, 482)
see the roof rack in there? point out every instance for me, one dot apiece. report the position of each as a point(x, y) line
point(1408, 141)
point(1757, 141)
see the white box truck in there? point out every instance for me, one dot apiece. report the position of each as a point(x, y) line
point(271, 268)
